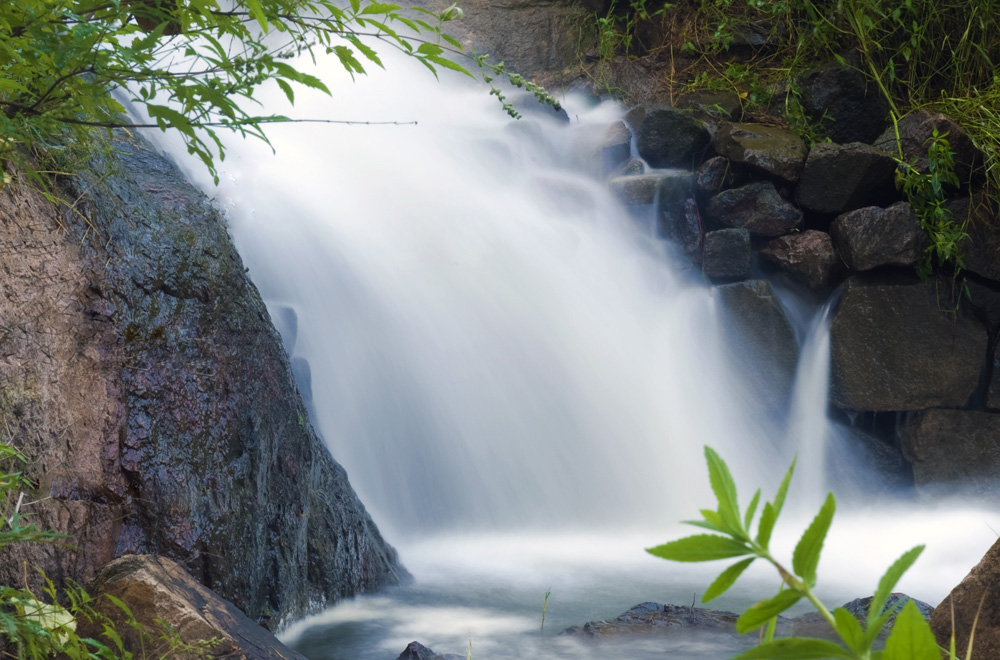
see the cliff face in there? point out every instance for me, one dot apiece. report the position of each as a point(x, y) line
point(142, 374)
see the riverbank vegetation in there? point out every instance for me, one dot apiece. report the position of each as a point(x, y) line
point(913, 55)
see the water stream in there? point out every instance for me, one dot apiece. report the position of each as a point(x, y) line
point(518, 380)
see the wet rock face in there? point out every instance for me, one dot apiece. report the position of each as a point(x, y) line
point(770, 149)
point(193, 444)
point(976, 597)
point(838, 178)
point(954, 452)
point(671, 138)
point(982, 249)
point(873, 236)
point(756, 207)
point(159, 589)
point(807, 257)
point(893, 348)
point(760, 340)
point(727, 255)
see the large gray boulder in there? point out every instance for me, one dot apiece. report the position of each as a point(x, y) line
point(975, 600)
point(756, 207)
point(872, 236)
point(145, 380)
point(770, 149)
point(806, 257)
point(954, 452)
point(760, 341)
point(895, 345)
point(668, 137)
point(838, 178)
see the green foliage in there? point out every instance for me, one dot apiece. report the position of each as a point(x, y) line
point(910, 638)
point(927, 194)
point(38, 627)
point(194, 66)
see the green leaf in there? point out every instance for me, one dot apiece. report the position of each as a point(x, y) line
point(767, 519)
point(700, 547)
point(779, 498)
point(849, 629)
point(796, 648)
point(751, 510)
point(888, 583)
point(805, 559)
point(759, 613)
point(287, 89)
point(379, 8)
point(911, 637)
point(726, 579)
point(725, 490)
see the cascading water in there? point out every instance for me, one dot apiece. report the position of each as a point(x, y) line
point(516, 379)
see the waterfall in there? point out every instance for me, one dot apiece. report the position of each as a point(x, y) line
point(498, 353)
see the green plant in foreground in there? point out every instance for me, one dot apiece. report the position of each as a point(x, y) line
point(911, 637)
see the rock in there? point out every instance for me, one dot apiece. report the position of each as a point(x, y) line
point(915, 132)
point(417, 651)
point(813, 624)
point(657, 618)
point(681, 225)
point(727, 255)
point(838, 178)
point(757, 207)
point(954, 452)
point(759, 340)
point(981, 251)
point(806, 257)
point(717, 173)
point(157, 589)
point(631, 167)
point(892, 347)
point(974, 598)
point(616, 147)
point(671, 138)
point(849, 108)
point(667, 187)
point(143, 377)
point(776, 151)
point(718, 105)
point(873, 236)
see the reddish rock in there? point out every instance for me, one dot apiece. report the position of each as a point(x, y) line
point(976, 595)
point(807, 257)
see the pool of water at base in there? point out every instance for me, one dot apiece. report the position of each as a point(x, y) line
point(484, 594)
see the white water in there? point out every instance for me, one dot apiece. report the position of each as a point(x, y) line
point(516, 379)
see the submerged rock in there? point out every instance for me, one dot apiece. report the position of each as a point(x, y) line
point(159, 591)
point(655, 617)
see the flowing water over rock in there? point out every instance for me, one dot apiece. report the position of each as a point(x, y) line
point(517, 380)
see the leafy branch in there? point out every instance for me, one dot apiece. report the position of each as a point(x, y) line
point(911, 637)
